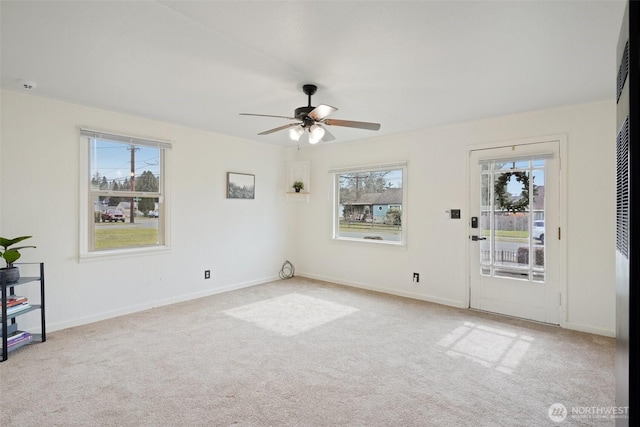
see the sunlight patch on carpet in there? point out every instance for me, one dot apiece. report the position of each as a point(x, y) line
point(291, 314)
point(491, 347)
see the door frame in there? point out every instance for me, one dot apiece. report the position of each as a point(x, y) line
point(562, 216)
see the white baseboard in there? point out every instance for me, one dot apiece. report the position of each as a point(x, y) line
point(52, 327)
point(437, 300)
point(453, 303)
point(590, 329)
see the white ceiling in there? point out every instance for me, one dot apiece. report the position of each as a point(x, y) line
point(407, 65)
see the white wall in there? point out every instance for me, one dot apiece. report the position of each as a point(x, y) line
point(243, 242)
point(437, 180)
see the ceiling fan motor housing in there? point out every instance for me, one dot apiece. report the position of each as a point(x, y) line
point(302, 113)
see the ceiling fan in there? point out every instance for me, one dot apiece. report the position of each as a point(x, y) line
point(312, 119)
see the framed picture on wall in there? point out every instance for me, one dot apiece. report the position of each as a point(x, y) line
point(241, 186)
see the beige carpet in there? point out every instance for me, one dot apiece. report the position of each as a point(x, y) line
point(305, 353)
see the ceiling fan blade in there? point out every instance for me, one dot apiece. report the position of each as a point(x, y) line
point(267, 115)
point(321, 111)
point(352, 124)
point(290, 125)
point(327, 135)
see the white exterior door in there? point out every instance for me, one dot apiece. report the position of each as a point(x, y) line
point(514, 246)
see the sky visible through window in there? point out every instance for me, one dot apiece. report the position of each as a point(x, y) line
point(395, 178)
point(113, 160)
point(515, 188)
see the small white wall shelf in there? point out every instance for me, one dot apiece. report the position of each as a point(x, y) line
point(298, 170)
point(299, 197)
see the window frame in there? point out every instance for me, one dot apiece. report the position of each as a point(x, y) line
point(87, 194)
point(335, 179)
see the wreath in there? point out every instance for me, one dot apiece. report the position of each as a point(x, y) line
point(504, 199)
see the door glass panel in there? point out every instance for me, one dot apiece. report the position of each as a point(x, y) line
point(511, 165)
point(512, 220)
point(485, 223)
point(538, 231)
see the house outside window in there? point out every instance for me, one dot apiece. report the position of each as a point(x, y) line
point(369, 203)
point(126, 199)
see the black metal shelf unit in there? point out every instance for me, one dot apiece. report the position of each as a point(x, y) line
point(9, 325)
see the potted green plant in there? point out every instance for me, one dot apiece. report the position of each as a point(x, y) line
point(11, 254)
point(298, 185)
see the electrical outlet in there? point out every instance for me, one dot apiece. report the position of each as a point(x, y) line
point(207, 274)
point(416, 277)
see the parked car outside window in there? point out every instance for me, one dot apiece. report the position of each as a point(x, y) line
point(538, 230)
point(111, 215)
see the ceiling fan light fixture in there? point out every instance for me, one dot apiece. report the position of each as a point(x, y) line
point(313, 140)
point(315, 134)
point(296, 132)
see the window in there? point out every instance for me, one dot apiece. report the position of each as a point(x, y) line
point(125, 205)
point(512, 218)
point(370, 203)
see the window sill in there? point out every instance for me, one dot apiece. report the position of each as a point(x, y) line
point(371, 241)
point(123, 253)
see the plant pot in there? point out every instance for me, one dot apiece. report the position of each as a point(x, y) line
point(297, 190)
point(9, 274)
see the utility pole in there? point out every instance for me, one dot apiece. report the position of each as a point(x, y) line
point(132, 183)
